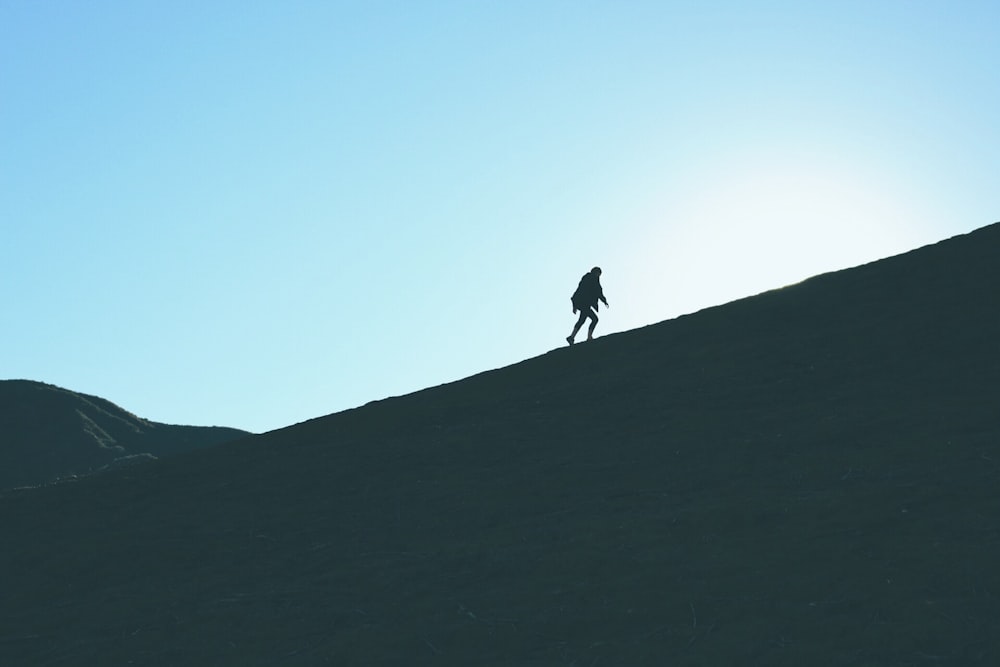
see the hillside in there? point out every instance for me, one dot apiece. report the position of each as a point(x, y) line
point(47, 432)
point(805, 477)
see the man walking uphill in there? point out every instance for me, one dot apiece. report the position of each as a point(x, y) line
point(585, 299)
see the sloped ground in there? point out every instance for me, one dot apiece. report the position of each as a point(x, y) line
point(808, 477)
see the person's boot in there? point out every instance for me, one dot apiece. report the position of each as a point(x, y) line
point(571, 338)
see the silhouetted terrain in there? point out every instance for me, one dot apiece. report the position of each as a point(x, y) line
point(806, 477)
point(47, 432)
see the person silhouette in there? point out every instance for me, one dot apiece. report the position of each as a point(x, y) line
point(585, 299)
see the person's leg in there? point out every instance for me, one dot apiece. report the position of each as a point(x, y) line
point(593, 325)
point(579, 323)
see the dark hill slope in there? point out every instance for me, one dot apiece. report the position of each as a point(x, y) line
point(47, 432)
point(806, 477)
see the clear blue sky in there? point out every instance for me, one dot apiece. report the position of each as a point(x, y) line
point(254, 213)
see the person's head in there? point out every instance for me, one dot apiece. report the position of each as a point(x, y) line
point(596, 271)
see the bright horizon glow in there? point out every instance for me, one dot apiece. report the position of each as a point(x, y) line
point(250, 216)
point(771, 222)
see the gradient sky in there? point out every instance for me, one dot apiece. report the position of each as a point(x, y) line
point(254, 213)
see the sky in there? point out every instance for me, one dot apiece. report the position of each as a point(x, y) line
point(250, 214)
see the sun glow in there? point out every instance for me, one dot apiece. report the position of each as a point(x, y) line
point(763, 224)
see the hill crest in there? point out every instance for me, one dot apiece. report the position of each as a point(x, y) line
point(49, 432)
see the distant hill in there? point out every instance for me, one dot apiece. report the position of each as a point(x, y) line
point(47, 432)
point(805, 477)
